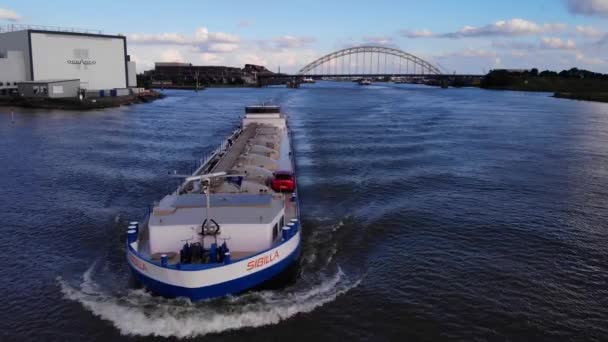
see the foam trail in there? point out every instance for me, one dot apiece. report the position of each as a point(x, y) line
point(88, 285)
point(139, 313)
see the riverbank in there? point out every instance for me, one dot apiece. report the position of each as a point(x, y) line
point(76, 104)
point(573, 84)
point(545, 84)
point(586, 96)
point(179, 87)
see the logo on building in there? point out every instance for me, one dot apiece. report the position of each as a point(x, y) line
point(81, 57)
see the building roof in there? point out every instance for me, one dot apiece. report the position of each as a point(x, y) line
point(49, 81)
point(171, 64)
point(56, 30)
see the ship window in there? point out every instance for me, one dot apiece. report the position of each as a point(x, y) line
point(262, 110)
point(282, 222)
point(275, 232)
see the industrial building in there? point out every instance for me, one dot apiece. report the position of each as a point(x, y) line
point(34, 55)
point(187, 75)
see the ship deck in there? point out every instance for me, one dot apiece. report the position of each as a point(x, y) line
point(234, 151)
point(238, 208)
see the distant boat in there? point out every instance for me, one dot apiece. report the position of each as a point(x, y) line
point(308, 80)
point(365, 82)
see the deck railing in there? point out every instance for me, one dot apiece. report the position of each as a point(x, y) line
point(203, 162)
point(21, 27)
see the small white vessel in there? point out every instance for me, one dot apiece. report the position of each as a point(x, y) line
point(231, 225)
point(308, 80)
point(365, 81)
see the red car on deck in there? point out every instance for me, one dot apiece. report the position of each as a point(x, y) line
point(283, 181)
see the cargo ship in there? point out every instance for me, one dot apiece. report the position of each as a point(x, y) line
point(231, 225)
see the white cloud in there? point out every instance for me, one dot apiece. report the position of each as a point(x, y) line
point(222, 47)
point(582, 58)
point(469, 52)
point(557, 43)
point(510, 44)
point(424, 33)
point(172, 55)
point(518, 53)
point(9, 15)
point(203, 47)
point(474, 60)
point(210, 58)
point(221, 37)
point(163, 38)
point(589, 7)
point(202, 39)
point(589, 31)
point(291, 42)
point(379, 40)
point(253, 58)
point(543, 43)
point(510, 28)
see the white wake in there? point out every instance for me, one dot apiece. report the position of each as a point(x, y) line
point(136, 312)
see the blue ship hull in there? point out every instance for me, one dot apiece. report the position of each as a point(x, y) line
point(231, 287)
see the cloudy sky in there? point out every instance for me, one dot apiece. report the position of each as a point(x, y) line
point(464, 36)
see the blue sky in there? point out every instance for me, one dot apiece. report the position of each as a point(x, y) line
point(467, 36)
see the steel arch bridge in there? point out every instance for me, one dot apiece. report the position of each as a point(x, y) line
point(366, 60)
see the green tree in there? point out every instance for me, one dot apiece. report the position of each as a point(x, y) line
point(534, 72)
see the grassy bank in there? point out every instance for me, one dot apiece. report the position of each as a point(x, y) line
point(571, 84)
point(547, 84)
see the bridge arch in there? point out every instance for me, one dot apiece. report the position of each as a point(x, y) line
point(420, 66)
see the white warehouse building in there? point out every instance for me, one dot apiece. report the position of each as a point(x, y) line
point(98, 61)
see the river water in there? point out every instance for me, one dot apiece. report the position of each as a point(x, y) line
point(429, 214)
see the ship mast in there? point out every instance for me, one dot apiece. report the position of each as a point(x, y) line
point(206, 179)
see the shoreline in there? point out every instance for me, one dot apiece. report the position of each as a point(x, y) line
point(185, 87)
point(86, 104)
point(583, 96)
point(590, 96)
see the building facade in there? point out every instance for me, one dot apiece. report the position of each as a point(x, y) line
point(98, 61)
point(12, 70)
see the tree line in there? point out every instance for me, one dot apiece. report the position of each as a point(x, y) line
point(534, 72)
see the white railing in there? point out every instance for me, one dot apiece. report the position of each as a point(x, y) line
point(202, 163)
